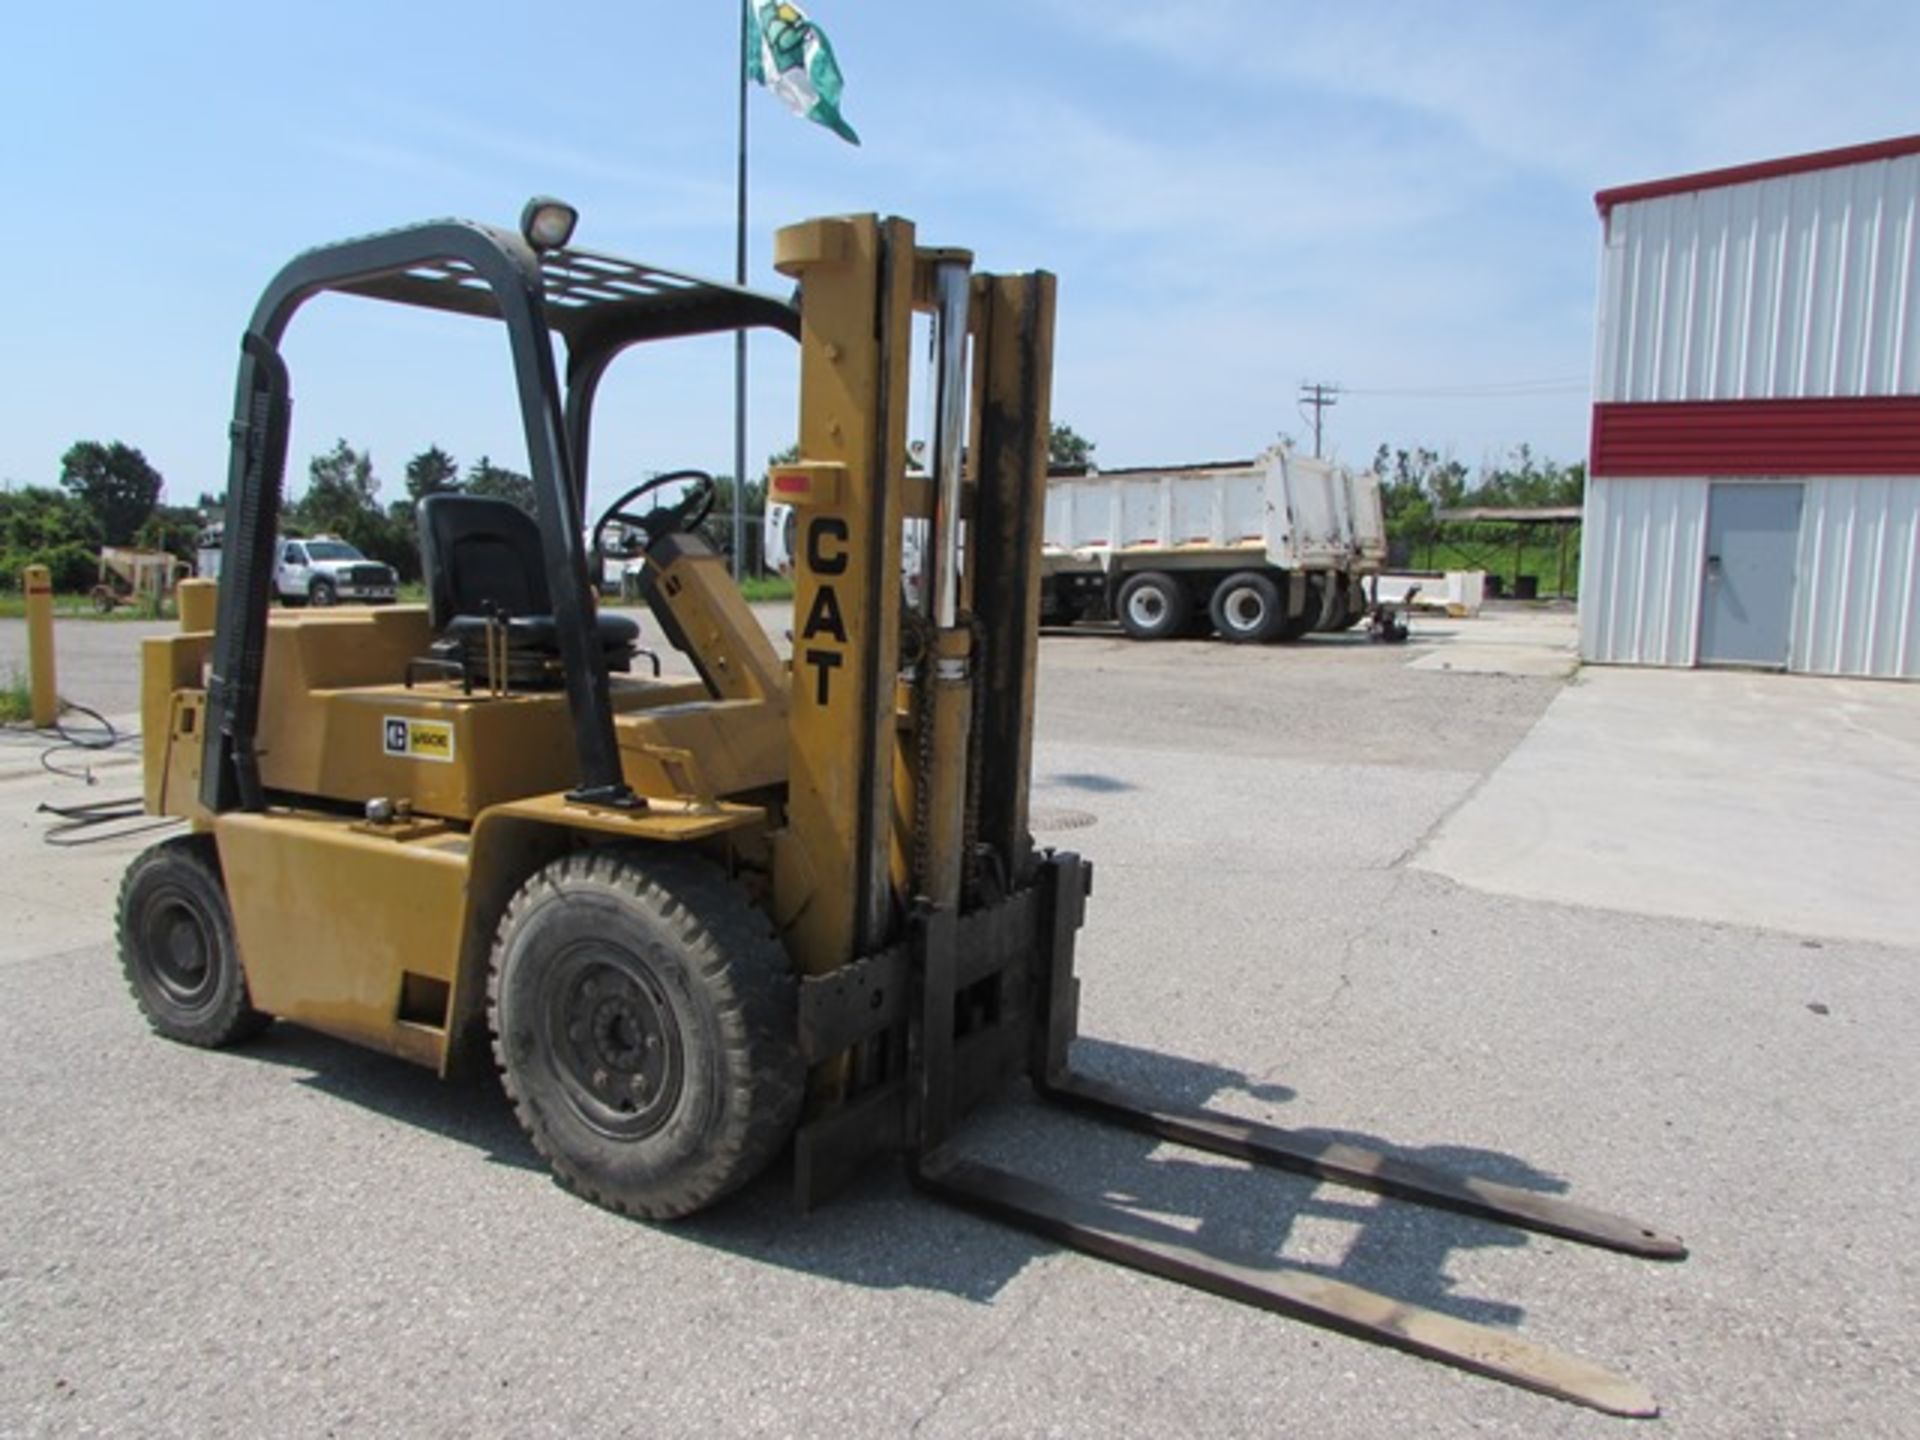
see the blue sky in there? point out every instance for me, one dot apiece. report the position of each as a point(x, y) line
point(1237, 196)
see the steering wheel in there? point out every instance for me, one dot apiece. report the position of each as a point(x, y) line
point(684, 514)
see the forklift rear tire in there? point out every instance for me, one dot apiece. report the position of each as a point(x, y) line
point(1246, 608)
point(177, 946)
point(644, 1017)
point(1153, 606)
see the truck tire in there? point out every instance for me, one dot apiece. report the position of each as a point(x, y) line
point(177, 946)
point(645, 1021)
point(1246, 608)
point(1296, 627)
point(321, 592)
point(1153, 606)
point(1057, 608)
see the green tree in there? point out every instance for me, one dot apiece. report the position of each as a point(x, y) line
point(1067, 447)
point(173, 528)
point(43, 526)
point(115, 483)
point(341, 491)
point(343, 499)
point(1524, 480)
point(499, 483)
point(431, 472)
point(1413, 485)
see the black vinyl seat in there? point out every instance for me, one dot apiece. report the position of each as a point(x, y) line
point(485, 571)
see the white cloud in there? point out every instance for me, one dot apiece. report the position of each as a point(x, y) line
point(1595, 94)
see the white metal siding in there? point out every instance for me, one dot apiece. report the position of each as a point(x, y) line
point(1799, 286)
point(1640, 556)
point(1857, 596)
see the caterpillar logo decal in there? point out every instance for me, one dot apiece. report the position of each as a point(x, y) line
point(417, 739)
point(825, 621)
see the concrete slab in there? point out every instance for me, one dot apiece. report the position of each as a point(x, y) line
point(1772, 801)
point(1539, 643)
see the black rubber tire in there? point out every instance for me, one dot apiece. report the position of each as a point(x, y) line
point(645, 1020)
point(1153, 606)
point(1057, 608)
point(1298, 627)
point(321, 593)
point(1344, 616)
point(1247, 609)
point(177, 946)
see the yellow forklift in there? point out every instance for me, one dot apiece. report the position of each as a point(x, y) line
point(696, 923)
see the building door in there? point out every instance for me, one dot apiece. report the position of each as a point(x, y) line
point(1746, 593)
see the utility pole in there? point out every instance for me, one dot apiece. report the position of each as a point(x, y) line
point(738, 557)
point(1320, 396)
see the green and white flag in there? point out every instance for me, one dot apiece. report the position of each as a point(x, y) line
point(789, 54)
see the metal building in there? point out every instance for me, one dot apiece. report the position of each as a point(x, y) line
point(1754, 490)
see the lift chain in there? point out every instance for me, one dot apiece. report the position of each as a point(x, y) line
point(976, 764)
point(919, 638)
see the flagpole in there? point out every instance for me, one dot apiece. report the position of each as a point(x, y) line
point(740, 336)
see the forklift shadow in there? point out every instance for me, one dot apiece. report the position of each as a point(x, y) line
point(1252, 1213)
point(881, 1233)
point(473, 1111)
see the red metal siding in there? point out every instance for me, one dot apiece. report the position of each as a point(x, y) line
point(1874, 435)
point(1605, 200)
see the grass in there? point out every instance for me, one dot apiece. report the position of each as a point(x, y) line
point(762, 588)
point(80, 607)
point(16, 697)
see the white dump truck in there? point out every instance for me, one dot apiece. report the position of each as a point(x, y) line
point(1253, 550)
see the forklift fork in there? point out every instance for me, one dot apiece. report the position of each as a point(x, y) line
point(1111, 1232)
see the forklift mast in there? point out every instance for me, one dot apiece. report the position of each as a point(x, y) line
point(877, 826)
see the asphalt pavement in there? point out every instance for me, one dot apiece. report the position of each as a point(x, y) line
point(299, 1238)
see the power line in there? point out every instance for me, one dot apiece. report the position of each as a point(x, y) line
point(1321, 396)
point(1493, 389)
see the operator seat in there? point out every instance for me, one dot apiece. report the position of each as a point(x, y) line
point(484, 568)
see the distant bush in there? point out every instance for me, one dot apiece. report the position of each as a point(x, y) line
point(75, 567)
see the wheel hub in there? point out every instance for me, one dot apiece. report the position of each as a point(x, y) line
point(1246, 609)
point(181, 952)
point(617, 1048)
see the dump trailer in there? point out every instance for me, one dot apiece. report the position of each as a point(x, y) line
point(697, 924)
point(1250, 550)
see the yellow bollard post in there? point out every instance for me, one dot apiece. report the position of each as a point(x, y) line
point(38, 583)
point(197, 600)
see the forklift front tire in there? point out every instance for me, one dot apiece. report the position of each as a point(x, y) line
point(644, 1020)
point(177, 946)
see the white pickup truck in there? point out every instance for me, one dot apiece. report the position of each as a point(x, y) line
point(326, 571)
point(320, 570)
